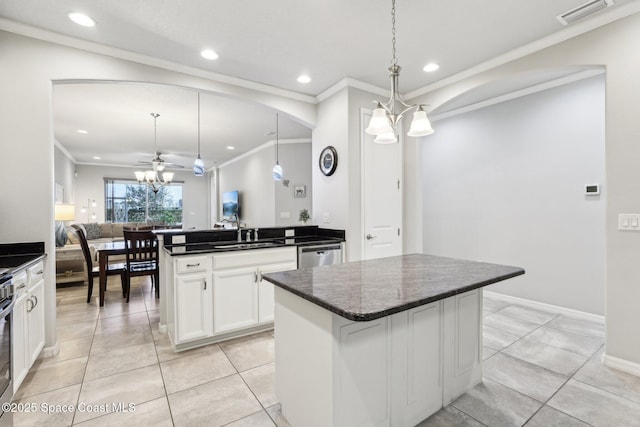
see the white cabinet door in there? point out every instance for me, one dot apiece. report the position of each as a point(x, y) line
point(194, 307)
point(235, 299)
point(363, 373)
point(265, 290)
point(35, 310)
point(19, 345)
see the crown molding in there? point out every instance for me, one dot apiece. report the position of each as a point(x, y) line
point(65, 151)
point(572, 31)
point(581, 75)
point(52, 37)
point(267, 144)
point(351, 82)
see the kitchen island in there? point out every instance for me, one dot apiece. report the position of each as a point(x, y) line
point(383, 342)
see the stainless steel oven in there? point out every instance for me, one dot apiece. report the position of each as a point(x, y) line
point(6, 317)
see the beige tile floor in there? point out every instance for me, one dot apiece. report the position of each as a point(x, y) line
point(116, 356)
point(541, 369)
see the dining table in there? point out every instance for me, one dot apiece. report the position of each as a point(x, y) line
point(105, 250)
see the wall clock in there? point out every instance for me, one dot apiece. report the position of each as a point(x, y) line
point(328, 161)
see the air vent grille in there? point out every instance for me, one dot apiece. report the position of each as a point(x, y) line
point(583, 11)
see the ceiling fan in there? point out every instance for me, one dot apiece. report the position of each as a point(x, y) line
point(159, 163)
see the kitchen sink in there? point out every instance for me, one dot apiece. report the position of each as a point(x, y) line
point(247, 245)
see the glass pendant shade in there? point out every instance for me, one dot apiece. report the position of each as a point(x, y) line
point(386, 138)
point(277, 172)
point(420, 126)
point(150, 176)
point(158, 164)
point(379, 122)
point(140, 176)
point(198, 166)
point(167, 177)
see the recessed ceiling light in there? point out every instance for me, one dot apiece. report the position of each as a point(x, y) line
point(82, 131)
point(304, 79)
point(82, 19)
point(431, 67)
point(209, 54)
point(97, 157)
point(230, 147)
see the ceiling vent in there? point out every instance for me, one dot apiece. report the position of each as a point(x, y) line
point(583, 11)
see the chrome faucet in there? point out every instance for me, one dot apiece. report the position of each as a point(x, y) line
point(237, 221)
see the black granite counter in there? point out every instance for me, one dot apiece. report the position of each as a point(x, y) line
point(368, 290)
point(226, 240)
point(18, 256)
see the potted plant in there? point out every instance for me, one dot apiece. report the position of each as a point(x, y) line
point(304, 216)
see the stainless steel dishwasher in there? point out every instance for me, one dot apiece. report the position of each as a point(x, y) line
point(317, 255)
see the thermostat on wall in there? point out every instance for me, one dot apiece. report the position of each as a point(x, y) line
point(592, 189)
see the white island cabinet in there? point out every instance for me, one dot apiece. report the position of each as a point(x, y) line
point(384, 342)
point(216, 296)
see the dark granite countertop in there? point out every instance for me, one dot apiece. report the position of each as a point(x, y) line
point(18, 256)
point(368, 290)
point(227, 246)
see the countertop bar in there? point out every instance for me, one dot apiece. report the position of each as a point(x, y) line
point(234, 245)
point(368, 290)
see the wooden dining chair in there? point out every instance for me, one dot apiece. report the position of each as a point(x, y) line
point(94, 271)
point(142, 258)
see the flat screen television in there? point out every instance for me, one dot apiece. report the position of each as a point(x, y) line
point(230, 205)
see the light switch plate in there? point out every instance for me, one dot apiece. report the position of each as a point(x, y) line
point(289, 233)
point(629, 222)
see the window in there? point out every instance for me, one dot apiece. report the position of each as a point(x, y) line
point(128, 201)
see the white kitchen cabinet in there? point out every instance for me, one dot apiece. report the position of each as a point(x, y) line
point(393, 371)
point(28, 321)
point(241, 297)
point(235, 299)
point(193, 298)
point(216, 296)
point(35, 320)
point(19, 366)
point(265, 290)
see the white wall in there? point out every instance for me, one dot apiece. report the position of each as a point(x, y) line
point(296, 163)
point(505, 184)
point(64, 169)
point(262, 198)
point(252, 176)
point(613, 46)
point(90, 186)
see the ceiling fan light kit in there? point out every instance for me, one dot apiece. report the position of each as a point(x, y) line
point(385, 119)
point(152, 177)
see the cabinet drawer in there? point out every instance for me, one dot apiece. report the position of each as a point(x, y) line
point(35, 273)
point(20, 282)
point(192, 264)
point(254, 257)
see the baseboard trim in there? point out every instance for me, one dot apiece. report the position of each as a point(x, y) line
point(548, 307)
point(621, 364)
point(50, 351)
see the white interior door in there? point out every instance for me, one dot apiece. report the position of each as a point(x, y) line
point(381, 195)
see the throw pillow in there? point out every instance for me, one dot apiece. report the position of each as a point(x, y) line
point(72, 236)
point(93, 230)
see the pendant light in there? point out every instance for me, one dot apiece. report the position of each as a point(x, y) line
point(277, 169)
point(385, 118)
point(198, 165)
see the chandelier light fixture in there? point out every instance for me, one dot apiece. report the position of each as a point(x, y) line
point(277, 169)
point(198, 165)
point(152, 177)
point(385, 119)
